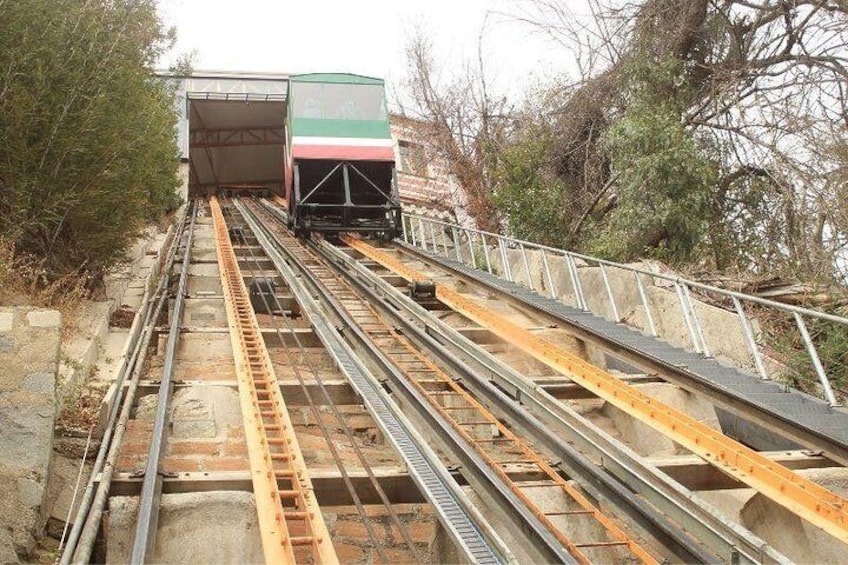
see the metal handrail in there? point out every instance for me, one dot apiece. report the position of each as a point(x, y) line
point(416, 235)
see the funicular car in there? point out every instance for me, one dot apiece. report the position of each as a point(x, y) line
point(339, 162)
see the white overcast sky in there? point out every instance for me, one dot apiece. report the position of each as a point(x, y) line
point(364, 37)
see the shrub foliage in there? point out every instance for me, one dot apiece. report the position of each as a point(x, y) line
point(87, 138)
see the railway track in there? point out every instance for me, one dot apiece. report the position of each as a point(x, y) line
point(803, 497)
point(495, 445)
point(551, 486)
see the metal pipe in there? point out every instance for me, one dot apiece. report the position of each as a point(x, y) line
point(144, 542)
point(76, 488)
point(814, 356)
point(456, 245)
point(91, 526)
point(749, 338)
point(104, 454)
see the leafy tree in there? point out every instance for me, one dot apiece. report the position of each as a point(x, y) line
point(664, 177)
point(87, 138)
point(527, 193)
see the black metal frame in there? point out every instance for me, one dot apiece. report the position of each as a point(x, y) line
point(309, 216)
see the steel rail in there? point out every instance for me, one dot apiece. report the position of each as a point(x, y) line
point(268, 429)
point(144, 542)
point(87, 520)
point(348, 432)
point(451, 397)
point(810, 501)
point(466, 527)
point(515, 394)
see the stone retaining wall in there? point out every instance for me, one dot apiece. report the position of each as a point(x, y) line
point(29, 359)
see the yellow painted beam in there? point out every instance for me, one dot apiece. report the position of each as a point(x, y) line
point(261, 400)
point(812, 502)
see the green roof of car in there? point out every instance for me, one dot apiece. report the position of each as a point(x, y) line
point(339, 78)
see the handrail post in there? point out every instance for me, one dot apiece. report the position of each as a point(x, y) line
point(471, 249)
point(486, 252)
point(686, 318)
point(526, 265)
point(412, 233)
point(551, 287)
point(615, 314)
point(579, 298)
point(814, 356)
point(645, 304)
point(422, 233)
point(505, 259)
point(403, 220)
point(749, 338)
point(697, 322)
point(433, 238)
point(456, 243)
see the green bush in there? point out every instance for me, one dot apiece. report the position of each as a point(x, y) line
point(87, 138)
point(529, 196)
point(664, 179)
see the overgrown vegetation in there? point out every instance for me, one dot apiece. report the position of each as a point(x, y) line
point(663, 176)
point(708, 134)
point(526, 192)
point(704, 133)
point(831, 345)
point(87, 136)
point(24, 279)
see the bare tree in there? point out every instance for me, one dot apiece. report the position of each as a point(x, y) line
point(765, 85)
point(463, 121)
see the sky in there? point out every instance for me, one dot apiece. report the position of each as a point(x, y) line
point(364, 37)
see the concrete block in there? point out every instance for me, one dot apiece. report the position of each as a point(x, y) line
point(797, 539)
point(40, 383)
point(7, 548)
point(30, 492)
point(194, 428)
point(44, 319)
point(27, 438)
point(109, 398)
point(7, 344)
point(29, 355)
point(7, 319)
point(223, 528)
